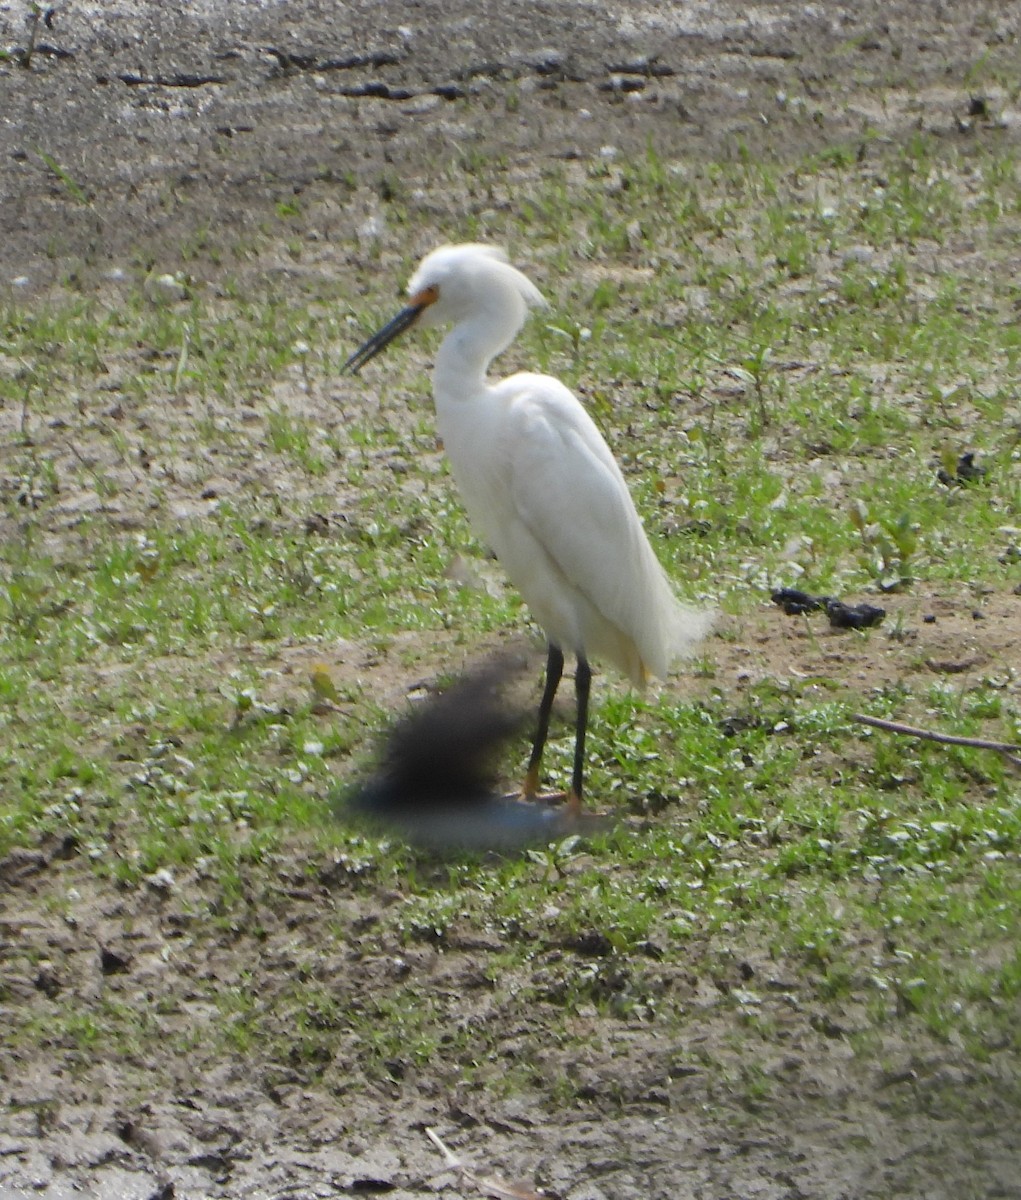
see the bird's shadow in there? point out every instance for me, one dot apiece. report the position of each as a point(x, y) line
point(435, 781)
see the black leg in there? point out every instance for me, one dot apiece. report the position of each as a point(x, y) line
point(582, 682)
point(554, 670)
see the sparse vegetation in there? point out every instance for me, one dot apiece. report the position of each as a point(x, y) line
point(112, 642)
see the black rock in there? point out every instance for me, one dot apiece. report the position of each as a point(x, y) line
point(794, 603)
point(853, 616)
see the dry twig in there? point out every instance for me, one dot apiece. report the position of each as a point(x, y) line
point(489, 1185)
point(1009, 751)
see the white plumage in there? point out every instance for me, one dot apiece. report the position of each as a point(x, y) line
point(540, 484)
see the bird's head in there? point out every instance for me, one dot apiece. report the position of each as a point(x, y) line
point(453, 284)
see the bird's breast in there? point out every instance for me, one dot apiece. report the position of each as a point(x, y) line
point(479, 462)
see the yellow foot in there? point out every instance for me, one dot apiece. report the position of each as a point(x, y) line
point(552, 799)
point(530, 788)
point(530, 791)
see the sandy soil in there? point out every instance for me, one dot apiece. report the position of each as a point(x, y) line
point(175, 119)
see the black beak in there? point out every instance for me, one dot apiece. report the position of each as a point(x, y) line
point(379, 341)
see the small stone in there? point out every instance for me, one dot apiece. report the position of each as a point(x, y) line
point(165, 289)
point(111, 962)
point(161, 881)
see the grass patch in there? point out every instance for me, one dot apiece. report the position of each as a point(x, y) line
point(782, 359)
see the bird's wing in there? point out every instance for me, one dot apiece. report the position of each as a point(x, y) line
point(569, 491)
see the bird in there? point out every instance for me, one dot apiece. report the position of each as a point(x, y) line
point(542, 488)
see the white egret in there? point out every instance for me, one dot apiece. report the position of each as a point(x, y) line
point(542, 487)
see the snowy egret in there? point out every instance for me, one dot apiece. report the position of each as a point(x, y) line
point(542, 487)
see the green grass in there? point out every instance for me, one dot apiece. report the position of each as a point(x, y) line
point(780, 358)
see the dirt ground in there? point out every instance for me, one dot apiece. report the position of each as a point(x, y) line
point(176, 120)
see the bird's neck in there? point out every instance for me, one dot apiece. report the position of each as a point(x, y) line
point(465, 354)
